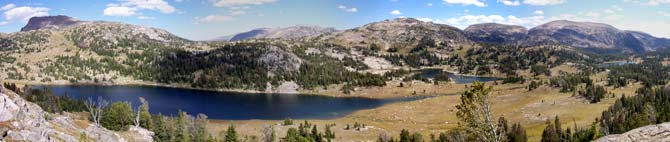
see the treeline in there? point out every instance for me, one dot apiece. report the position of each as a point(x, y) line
point(650, 106)
point(650, 73)
point(554, 132)
point(567, 82)
point(509, 59)
point(308, 132)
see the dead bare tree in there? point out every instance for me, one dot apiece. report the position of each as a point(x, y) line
point(96, 109)
point(269, 134)
point(475, 112)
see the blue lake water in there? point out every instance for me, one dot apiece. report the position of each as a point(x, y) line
point(616, 63)
point(460, 79)
point(227, 105)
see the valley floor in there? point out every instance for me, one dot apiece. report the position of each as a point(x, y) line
point(434, 115)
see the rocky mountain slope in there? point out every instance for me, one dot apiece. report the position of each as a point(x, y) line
point(282, 33)
point(494, 33)
point(399, 33)
point(651, 133)
point(21, 120)
point(592, 35)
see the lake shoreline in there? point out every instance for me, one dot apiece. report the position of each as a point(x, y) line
point(153, 84)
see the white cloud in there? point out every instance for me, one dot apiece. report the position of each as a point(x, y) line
point(663, 13)
point(130, 7)
point(352, 9)
point(657, 2)
point(119, 11)
point(145, 17)
point(3, 23)
point(237, 12)
point(538, 12)
point(424, 19)
point(227, 3)
point(8, 6)
point(212, 18)
point(429, 4)
point(159, 5)
point(395, 12)
point(24, 13)
point(510, 3)
point(467, 20)
point(466, 2)
point(543, 2)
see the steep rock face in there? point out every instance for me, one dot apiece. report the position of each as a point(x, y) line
point(496, 33)
point(49, 22)
point(283, 33)
point(651, 133)
point(21, 120)
point(401, 33)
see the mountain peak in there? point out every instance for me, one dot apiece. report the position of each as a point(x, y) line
point(286, 32)
point(49, 22)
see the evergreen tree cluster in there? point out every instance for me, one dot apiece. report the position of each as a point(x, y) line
point(567, 82)
point(650, 106)
point(308, 132)
point(554, 132)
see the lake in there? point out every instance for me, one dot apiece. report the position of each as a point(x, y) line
point(460, 79)
point(616, 63)
point(227, 105)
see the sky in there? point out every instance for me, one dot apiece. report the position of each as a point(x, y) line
point(208, 19)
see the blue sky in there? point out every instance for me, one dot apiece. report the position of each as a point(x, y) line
point(206, 19)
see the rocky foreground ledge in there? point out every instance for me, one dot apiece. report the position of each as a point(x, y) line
point(651, 133)
point(21, 120)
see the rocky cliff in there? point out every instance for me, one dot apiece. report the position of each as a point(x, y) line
point(49, 22)
point(21, 120)
point(651, 133)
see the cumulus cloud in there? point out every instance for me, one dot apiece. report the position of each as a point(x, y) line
point(467, 20)
point(466, 2)
point(663, 13)
point(228, 3)
point(395, 12)
point(212, 18)
point(119, 11)
point(130, 7)
point(510, 3)
point(24, 13)
point(8, 6)
point(145, 17)
point(657, 2)
point(543, 2)
point(347, 9)
point(538, 12)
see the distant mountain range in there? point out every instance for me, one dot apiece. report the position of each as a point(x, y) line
point(401, 32)
point(281, 33)
point(570, 33)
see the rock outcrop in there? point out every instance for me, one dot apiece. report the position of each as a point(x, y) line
point(21, 120)
point(651, 133)
point(49, 22)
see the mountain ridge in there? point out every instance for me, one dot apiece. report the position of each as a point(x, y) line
point(282, 33)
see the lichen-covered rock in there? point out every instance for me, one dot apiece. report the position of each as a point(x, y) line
point(26, 121)
point(651, 133)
